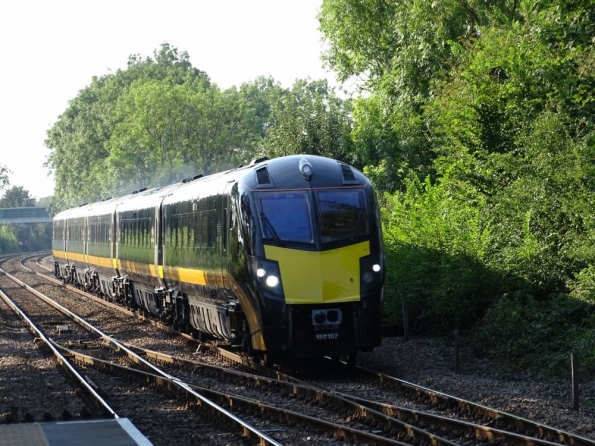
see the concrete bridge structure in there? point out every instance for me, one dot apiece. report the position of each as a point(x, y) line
point(25, 216)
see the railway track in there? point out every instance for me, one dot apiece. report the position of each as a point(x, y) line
point(215, 422)
point(328, 407)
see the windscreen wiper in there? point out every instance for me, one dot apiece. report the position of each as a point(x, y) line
point(270, 227)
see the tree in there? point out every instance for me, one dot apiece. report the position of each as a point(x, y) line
point(17, 197)
point(167, 132)
point(8, 241)
point(77, 141)
point(311, 119)
point(400, 53)
point(4, 173)
point(261, 95)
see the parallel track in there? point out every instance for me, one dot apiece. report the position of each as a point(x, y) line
point(377, 422)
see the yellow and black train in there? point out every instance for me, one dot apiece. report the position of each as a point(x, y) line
point(283, 256)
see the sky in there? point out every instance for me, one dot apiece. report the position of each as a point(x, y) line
point(51, 49)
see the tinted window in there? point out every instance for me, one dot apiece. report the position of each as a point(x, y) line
point(342, 214)
point(285, 216)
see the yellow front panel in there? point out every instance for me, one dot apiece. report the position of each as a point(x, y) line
point(319, 277)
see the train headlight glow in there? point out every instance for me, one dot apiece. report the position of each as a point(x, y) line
point(267, 275)
point(272, 281)
point(376, 267)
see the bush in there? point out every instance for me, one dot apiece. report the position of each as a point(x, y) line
point(539, 335)
point(8, 241)
point(435, 241)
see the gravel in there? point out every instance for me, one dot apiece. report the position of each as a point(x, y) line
point(429, 362)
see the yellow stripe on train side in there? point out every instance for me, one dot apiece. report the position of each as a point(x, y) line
point(156, 272)
point(195, 276)
point(76, 257)
point(310, 277)
point(59, 254)
point(104, 262)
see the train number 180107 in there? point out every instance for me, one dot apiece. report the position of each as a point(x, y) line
point(326, 336)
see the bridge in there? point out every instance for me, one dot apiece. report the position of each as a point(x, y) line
point(30, 215)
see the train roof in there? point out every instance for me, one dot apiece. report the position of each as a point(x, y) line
point(198, 188)
point(279, 173)
point(146, 198)
point(292, 172)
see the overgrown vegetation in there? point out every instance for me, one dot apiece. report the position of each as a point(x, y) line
point(476, 127)
point(25, 238)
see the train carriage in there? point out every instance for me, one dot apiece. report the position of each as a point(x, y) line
point(281, 256)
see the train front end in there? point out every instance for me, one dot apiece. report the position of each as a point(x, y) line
point(315, 256)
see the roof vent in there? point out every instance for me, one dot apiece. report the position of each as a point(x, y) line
point(348, 175)
point(263, 178)
point(258, 160)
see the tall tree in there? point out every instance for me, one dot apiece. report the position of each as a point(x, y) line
point(168, 132)
point(312, 119)
point(17, 197)
point(398, 53)
point(77, 141)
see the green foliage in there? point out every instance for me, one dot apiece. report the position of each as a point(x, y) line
point(436, 240)
point(310, 119)
point(157, 122)
point(392, 138)
point(8, 240)
point(167, 132)
point(78, 140)
point(525, 333)
point(17, 197)
point(482, 122)
point(41, 237)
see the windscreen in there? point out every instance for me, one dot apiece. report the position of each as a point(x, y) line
point(342, 214)
point(285, 216)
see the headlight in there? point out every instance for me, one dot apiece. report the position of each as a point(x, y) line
point(272, 281)
point(267, 275)
point(371, 272)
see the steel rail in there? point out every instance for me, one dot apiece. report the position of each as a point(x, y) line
point(537, 430)
point(233, 400)
point(248, 430)
point(381, 413)
point(439, 398)
point(95, 398)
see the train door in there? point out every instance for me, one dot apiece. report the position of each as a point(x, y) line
point(115, 234)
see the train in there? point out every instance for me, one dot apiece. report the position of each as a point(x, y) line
point(281, 257)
